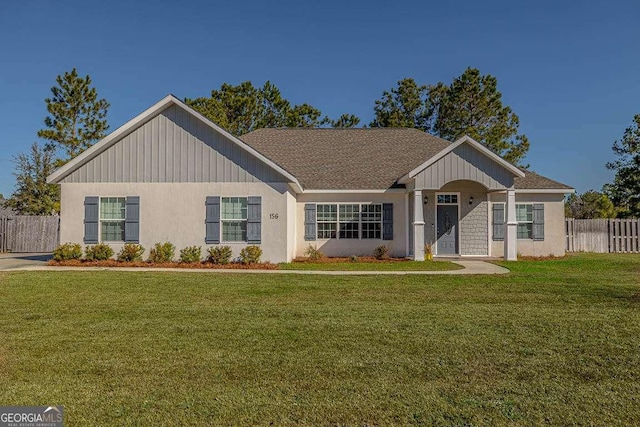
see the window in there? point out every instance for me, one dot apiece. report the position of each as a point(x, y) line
point(349, 221)
point(447, 199)
point(524, 216)
point(327, 218)
point(112, 215)
point(371, 221)
point(234, 219)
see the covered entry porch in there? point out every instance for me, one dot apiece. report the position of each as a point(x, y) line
point(450, 203)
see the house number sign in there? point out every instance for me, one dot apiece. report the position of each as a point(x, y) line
point(273, 216)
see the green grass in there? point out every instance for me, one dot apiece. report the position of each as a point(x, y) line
point(371, 266)
point(554, 342)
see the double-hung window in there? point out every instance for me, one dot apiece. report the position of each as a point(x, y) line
point(349, 221)
point(234, 219)
point(327, 218)
point(524, 216)
point(371, 221)
point(112, 216)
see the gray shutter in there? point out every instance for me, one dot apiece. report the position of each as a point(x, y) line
point(538, 221)
point(132, 220)
point(498, 221)
point(387, 221)
point(254, 219)
point(91, 217)
point(212, 220)
point(309, 221)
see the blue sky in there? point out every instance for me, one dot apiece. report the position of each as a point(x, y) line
point(569, 69)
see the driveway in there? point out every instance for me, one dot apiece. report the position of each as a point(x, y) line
point(10, 261)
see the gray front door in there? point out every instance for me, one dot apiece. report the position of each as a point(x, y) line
point(447, 243)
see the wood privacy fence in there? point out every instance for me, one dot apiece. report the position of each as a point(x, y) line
point(603, 235)
point(29, 233)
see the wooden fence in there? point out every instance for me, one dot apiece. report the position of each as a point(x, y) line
point(29, 233)
point(603, 235)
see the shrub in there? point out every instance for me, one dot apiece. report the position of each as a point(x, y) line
point(99, 252)
point(250, 255)
point(162, 252)
point(130, 252)
point(313, 253)
point(381, 252)
point(219, 254)
point(353, 258)
point(191, 254)
point(67, 251)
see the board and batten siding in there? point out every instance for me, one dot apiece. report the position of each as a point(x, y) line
point(464, 163)
point(174, 146)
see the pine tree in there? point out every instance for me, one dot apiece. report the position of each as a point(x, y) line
point(625, 189)
point(472, 105)
point(404, 106)
point(77, 118)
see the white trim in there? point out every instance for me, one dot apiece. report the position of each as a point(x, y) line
point(547, 191)
point(142, 118)
point(365, 191)
point(408, 227)
point(489, 223)
point(465, 139)
point(435, 215)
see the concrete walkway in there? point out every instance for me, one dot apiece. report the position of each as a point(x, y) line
point(470, 267)
point(9, 261)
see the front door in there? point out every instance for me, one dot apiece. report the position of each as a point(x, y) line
point(447, 243)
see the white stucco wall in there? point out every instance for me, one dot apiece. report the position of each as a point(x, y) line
point(554, 232)
point(175, 212)
point(358, 247)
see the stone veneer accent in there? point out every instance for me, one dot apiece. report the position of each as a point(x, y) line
point(473, 226)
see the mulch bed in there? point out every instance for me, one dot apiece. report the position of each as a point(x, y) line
point(143, 264)
point(336, 260)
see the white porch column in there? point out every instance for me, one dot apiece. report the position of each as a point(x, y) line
point(510, 240)
point(418, 227)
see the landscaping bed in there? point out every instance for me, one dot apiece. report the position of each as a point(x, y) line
point(368, 264)
point(147, 264)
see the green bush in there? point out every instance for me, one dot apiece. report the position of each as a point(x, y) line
point(313, 253)
point(381, 252)
point(67, 251)
point(250, 255)
point(191, 254)
point(99, 252)
point(219, 254)
point(353, 258)
point(131, 252)
point(162, 252)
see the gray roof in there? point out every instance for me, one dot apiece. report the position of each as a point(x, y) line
point(364, 158)
point(346, 158)
point(533, 181)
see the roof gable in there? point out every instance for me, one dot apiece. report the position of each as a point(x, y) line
point(170, 142)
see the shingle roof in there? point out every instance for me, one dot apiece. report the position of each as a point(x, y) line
point(356, 159)
point(533, 181)
point(346, 158)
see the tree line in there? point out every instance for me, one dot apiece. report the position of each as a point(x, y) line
point(470, 105)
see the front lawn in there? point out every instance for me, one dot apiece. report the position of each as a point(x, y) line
point(554, 342)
